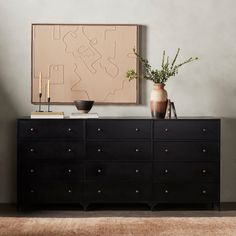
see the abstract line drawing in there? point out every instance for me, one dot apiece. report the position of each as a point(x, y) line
point(85, 61)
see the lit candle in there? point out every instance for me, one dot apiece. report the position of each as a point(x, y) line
point(40, 82)
point(48, 88)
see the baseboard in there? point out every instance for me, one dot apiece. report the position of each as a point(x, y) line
point(7, 206)
point(224, 206)
point(228, 206)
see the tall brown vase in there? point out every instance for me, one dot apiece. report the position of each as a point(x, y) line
point(158, 101)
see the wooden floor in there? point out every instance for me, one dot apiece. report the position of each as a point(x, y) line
point(104, 221)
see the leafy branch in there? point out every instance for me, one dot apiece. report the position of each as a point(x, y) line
point(158, 75)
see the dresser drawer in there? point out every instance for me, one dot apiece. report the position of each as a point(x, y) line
point(97, 171)
point(135, 150)
point(38, 171)
point(51, 150)
point(186, 172)
point(118, 192)
point(187, 151)
point(187, 129)
point(118, 129)
point(186, 193)
point(40, 193)
point(50, 129)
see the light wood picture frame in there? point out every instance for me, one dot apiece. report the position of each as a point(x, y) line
point(84, 62)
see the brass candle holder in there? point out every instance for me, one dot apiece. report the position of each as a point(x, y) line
point(40, 102)
point(49, 99)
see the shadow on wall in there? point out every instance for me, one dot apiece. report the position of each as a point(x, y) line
point(228, 159)
point(8, 116)
point(143, 53)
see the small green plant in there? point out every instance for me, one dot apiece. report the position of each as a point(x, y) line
point(158, 75)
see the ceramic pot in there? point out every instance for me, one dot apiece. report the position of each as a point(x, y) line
point(158, 101)
point(83, 106)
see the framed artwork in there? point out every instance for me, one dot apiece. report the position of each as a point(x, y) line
point(84, 62)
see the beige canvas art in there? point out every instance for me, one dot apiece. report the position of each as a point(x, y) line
point(86, 62)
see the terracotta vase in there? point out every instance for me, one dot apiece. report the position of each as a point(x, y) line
point(158, 101)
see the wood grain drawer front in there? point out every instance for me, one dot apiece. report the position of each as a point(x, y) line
point(51, 150)
point(195, 129)
point(51, 193)
point(118, 129)
point(119, 150)
point(187, 151)
point(186, 193)
point(186, 172)
point(50, 129)
point(121, 192)
point(35, 171)
point(119, 171)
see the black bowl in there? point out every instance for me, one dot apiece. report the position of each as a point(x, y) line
point(83, 106)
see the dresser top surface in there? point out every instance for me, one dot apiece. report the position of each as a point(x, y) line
point(131, 118)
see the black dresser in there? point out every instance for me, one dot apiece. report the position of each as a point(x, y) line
point(118, 160)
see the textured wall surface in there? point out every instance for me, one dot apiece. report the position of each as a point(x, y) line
point(205, 88)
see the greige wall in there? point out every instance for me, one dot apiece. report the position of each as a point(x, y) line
point(203, 28)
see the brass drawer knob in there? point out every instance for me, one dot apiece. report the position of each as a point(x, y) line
point(204, 191)
point(137, 129)
point(32, 129)
point(166, 191)
point(137, 171)
point(99, 171)
point(99, 191)
point(136, 150)
point(69, 129)
point(137, 191)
